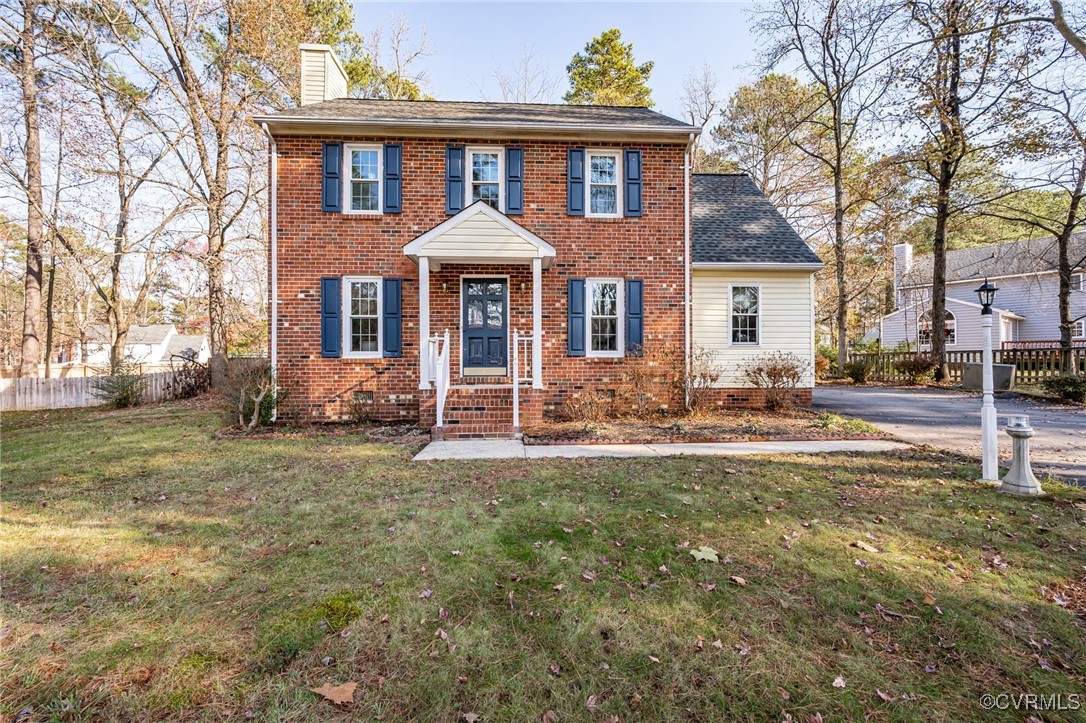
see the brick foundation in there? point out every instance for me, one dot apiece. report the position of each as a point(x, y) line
point(750, 398)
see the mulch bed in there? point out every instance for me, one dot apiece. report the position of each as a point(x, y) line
point(785, 426)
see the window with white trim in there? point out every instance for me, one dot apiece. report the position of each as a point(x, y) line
point(1078, 281)
point(746, 310)
point(950, 327)
point(1079, 331)
point(603, 186)
point(362, 316)
point(604, 301)
point(486, 177)
point(363, 187)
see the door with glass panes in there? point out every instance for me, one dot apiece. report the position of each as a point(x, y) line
point(486, 307)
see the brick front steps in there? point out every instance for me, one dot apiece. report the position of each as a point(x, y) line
point(478, 412)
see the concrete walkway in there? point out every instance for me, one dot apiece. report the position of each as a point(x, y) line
point(515, 449)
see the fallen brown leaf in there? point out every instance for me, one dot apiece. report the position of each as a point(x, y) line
point(738, 580)
point(339, 694)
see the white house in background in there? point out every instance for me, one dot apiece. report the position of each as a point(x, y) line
point(150, 344)
point(1026, 306)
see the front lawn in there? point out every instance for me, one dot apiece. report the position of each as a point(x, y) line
point(151, 571)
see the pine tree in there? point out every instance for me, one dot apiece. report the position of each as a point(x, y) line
point(606, 74)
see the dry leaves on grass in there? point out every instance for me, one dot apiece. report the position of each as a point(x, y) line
point(706, 554)
point(339, 694)
point(738, 580)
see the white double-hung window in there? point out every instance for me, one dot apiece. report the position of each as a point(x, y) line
point(604, 187)
point(363, 187)
point(605, 314)
point(746, 310)
point(486, 168)
point(361, 316)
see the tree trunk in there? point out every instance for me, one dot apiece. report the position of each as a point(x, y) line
point(49, 322)
point(938, 272)
point(216, 301)
point(1065, 269)
point(839, 252)
point(31, 347)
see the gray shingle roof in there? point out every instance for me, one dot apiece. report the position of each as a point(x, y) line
point(185, 346)
point(459, 113)
point(149, 334)
point(733, 223)
point(1028, 256)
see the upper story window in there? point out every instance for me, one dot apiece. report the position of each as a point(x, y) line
point(362, 316)
point(487, 177)
point(604, 305)
point(746, 313)
point(604, 188)
point(1078, 281)
point(363, 187)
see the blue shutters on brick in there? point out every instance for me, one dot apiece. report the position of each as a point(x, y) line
point(332, 177)
point(632, 192)
point(575, 182)
point(454, 179)
point(635, 317)
point(393, 201)
point(575, 324)
point(392, 317)
point(331, 329)
point(514, 181)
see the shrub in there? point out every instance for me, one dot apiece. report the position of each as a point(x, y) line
point(587, 407)
point(659, 378)
point(189, 378)
point(1069, 387)
point(858, 371)
point(777, 375)
point(822, 367)
point(916, 368)
point(361, 406)
point(122, 389)
point(251, 392)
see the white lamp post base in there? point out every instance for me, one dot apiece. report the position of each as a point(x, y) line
point(1020, 479)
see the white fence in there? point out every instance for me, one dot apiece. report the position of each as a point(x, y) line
point(17, 395)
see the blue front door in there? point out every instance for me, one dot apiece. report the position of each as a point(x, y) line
point(486, 312)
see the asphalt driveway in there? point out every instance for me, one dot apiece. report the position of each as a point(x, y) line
point(951, 420)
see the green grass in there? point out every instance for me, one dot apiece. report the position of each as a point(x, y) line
point(153, 572)
point(837, 423)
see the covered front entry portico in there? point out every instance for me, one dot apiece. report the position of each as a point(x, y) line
point(474, 271)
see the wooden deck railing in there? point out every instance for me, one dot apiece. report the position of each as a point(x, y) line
point(1031, 365)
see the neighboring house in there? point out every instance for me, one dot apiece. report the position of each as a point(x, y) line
point(1026, 307)
point(150, 344)
point(579, 229)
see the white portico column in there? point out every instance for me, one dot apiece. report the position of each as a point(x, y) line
point(424, 322)
point(537, 323)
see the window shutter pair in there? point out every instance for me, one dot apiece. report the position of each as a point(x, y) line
point(576, 184)
point(456, 179)
point(332, 177)
point(331, 321)
point(577, 317)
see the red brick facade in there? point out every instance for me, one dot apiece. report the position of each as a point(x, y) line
point(313, 244)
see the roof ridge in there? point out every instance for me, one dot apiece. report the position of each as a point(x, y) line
point(501, 102)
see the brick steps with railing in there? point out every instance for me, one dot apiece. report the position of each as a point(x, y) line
point(478, 413)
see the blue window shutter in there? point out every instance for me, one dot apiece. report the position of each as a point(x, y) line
point(632, 193)
point(576, 318)
point(514, 181)
point(332, 178)
point(331, 330)
point(454, 179)
point(635, 317)
point(392, 298)
point(393, 202)
point(575, 182)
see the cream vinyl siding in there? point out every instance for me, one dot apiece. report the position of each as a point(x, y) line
point(480, 237)
point(322, 77)
point(785, 306)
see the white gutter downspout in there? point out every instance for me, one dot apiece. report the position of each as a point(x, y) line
point(687, 330)
point(273, 222)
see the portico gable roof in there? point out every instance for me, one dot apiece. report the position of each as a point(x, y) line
point(480, 234)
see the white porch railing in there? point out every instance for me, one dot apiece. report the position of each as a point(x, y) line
point(522, 356)
point(438, 354)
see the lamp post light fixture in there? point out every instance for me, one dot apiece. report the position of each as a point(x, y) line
point(989, 443)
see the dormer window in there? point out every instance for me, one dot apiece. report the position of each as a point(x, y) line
point(604, 188)
point(485, 167)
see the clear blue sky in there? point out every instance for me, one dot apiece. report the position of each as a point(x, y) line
point(467, 39)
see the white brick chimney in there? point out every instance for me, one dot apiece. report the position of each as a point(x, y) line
point(323, 77)
point(903, 263)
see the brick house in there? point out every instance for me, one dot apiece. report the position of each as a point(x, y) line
point(473, 266)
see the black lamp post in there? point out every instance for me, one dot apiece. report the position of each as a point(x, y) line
point(986, 293)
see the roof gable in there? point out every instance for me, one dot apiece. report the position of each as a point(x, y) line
point(480, 232)
point(734, 224)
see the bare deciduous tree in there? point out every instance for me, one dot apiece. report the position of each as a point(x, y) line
point(700, 102)
point(528, 80)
